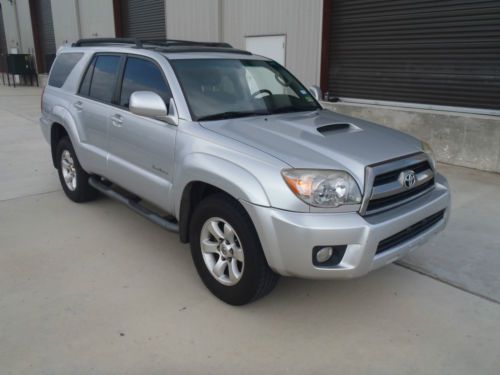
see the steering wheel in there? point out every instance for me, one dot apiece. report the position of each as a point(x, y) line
point(263, 91)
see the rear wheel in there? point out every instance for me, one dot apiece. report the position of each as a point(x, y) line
point(74, 180)
point(227, 252)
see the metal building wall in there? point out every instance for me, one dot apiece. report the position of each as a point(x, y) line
point(11, 26)
point(75, 19)
point(299, 20)
point(3, 42)
point(25, 29)
point(66, 21)
point(96, 18)
point(193, 19)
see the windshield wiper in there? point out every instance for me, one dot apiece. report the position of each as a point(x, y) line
point(294, 109)
point(231, 114)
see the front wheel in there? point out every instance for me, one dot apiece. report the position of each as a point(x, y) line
point(227, 252)
point(74, 180)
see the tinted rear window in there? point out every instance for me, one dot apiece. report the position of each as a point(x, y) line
point(62, 68)
point(103, 78)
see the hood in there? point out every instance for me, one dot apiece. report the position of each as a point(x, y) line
point(320, 139)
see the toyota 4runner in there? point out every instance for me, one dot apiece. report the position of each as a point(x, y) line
point(232, 152)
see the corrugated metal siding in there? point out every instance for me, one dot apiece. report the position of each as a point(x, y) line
point(193, 20)
point(144, 19)
point(434, 52)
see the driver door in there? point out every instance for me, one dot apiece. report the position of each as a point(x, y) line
point(141, 149)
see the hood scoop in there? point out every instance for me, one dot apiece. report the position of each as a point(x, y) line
point(327, 129)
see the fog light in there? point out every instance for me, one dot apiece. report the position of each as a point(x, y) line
point(328, 256)
point(324, 254)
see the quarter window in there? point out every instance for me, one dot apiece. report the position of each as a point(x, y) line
point(142, 75)
point(62, 68)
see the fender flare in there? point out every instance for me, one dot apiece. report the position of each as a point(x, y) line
point(215, 171)
point(63, 117)
point(221, 173)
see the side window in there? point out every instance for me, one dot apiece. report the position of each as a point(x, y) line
point(62, 68)
point(102, 85)
point(142, 75)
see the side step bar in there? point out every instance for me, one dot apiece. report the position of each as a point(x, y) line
point(133, 205)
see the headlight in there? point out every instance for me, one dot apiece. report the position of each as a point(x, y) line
point(430, 153)
point(323, 188)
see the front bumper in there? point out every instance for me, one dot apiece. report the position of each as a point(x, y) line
point(289, 237)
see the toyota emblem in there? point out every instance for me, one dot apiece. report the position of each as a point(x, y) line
point(408, 179)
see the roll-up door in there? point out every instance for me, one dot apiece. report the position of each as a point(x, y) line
point(443, 52)
point(143, 19)
point(43, 30)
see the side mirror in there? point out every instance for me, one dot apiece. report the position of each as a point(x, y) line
point(150, 104)
point(147, 104)
point(316, 92)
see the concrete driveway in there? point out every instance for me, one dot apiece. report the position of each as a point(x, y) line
point(94, 288)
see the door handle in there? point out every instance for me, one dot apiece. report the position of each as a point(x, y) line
point(78, 105)
point(117, 120)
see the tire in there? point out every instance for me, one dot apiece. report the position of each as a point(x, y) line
point(74, 180)
point(256, 279)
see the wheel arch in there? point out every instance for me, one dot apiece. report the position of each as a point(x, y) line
point(203, 175)
point(63, 125)
point(57, 132)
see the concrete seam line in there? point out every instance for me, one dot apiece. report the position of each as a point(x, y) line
point(29, 195)
point(435, 277)
point(18, 115)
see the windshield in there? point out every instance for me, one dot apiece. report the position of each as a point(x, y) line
point(227, 88)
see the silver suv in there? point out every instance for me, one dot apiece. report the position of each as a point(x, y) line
point(232, 152)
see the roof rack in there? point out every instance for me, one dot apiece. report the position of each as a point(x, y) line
point(164, 44)
point(177, 43)
point(97, 41)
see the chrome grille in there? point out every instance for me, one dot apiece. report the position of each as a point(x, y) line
point(385, 188)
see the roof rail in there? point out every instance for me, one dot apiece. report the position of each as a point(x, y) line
point(97, 41)
point(139, 43)
point(164, 45)
point(178, 43)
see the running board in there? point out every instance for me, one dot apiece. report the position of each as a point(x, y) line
point(134, 205)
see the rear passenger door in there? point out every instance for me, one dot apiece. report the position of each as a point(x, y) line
point(141, 149)
point(93, 107)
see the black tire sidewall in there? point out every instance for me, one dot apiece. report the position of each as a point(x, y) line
point(255, 264)
point(81, 193)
